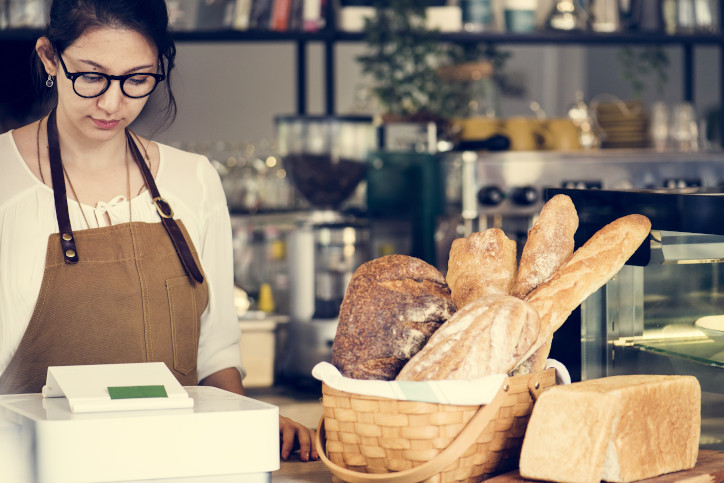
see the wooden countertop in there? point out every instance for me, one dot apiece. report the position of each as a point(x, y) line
point(296, 470)
point(709, 469)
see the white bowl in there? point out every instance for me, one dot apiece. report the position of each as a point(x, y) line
point(712, 326)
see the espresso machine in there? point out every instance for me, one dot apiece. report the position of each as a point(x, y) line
point(326, 159)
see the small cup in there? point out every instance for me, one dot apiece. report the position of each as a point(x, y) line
point(520, 15)
point(564, 135)
point(477, 15)
point(527, 133)
point(479, 128)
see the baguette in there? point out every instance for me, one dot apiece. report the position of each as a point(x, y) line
point(590, 267)
point(550, 245)
point(484, 263)
point(487, 336)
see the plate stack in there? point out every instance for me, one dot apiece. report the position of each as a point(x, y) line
point(624, 124)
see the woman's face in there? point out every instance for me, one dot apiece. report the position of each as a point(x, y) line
point(109, 51)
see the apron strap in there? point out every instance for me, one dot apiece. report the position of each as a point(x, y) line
point(166, 214)
point(67, 242)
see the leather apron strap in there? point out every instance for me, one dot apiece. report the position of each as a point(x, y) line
point(166, 214)
point(70, 251)
point(67, 242)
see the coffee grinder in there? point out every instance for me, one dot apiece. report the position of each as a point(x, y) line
point(326, 159)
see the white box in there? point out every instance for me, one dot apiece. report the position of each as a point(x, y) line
point(352, 18)
point(224, 434)
point(448, 18)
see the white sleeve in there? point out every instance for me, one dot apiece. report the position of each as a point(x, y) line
point(220, 335)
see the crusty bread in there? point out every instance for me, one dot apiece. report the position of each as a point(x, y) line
point(617, 429)
point(549, 245)
point(590, 267)
point(483, 263)
point(487, 336)
point(393, 304)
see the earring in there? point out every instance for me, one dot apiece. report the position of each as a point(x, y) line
point(49, 82)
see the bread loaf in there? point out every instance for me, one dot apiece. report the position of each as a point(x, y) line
point(617, 429)
point(487, 336)
point(590, 267)
point(393, 304)
point(549, 245)
point(483, 263)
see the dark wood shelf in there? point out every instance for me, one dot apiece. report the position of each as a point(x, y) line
point(537, 38)
point(559, 38)
point(250, 36)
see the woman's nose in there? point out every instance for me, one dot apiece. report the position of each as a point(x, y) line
point(110, 100)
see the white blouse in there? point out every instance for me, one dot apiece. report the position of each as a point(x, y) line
point(193, 189)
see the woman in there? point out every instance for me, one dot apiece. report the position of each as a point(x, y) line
point(114, 248)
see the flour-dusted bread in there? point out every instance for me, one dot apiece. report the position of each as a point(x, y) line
point(392, 306)
point(487, 336)
point(618, 429)
point(590, 267)
point(483, 263)
point(549, 245)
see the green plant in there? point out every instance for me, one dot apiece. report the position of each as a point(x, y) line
point(403, 58)
point(640, 64)
point(402, 55)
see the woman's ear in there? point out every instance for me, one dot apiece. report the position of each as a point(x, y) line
point(46, 52)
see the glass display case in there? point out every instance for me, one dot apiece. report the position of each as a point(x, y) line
point(663, 313)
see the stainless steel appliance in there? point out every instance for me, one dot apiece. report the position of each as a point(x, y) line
point(663, 313)
point(505, 189)
point(326, 158)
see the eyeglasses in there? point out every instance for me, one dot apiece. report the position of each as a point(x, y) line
point(93, 84)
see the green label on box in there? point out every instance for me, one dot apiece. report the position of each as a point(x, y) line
point(136, 392)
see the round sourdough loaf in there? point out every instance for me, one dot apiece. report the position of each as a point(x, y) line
point(392, 306)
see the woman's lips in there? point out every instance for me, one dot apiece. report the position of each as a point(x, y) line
point(105, 124)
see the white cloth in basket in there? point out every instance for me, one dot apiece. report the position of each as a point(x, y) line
point(473, 392)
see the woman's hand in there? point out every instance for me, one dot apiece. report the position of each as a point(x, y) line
point(294, 435)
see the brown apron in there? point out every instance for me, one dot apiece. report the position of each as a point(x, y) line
point(126, 298)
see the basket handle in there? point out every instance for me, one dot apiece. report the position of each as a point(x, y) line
point(465, 438)
point(535, 388)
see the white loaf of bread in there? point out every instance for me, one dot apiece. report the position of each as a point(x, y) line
point(616, 429)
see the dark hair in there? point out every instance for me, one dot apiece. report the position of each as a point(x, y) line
point(70, 19)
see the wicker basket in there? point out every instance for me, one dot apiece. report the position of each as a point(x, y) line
point(365, 438)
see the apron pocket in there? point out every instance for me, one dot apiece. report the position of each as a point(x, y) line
point(184, 324)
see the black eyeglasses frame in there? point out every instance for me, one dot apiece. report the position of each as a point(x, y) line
point(72, 76)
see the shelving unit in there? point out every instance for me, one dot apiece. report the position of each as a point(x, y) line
point(329, 38)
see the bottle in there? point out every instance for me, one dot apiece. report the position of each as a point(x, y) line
point(266, 298)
